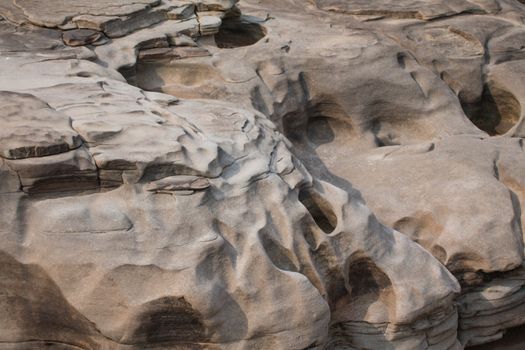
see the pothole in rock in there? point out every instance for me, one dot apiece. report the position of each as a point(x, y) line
point(367, 280)
point(496, 112)
point(180, 68)
point(322, 123)
point(169, 320)
point(239, 32)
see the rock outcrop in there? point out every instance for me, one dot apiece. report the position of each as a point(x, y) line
point(210, 174)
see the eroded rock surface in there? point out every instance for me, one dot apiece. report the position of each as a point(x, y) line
point(261, 175)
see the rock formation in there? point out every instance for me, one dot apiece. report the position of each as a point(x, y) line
point(277, 174)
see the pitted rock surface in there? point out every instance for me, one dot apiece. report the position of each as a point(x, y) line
point(222, 174)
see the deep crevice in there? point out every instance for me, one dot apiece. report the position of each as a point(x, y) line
point(319, 208)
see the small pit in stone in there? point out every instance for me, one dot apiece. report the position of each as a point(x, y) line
point(239, 32)
point(496, 112)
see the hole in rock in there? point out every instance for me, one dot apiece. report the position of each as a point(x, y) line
point(293, 126)
point(320, 131)
point(370, 296)
point(366, 279)
point(382, 135)
point(178, 77)
point(321, 123)
point(239, 32)
point(319, 208)
point(168, 320)
point(496, 112)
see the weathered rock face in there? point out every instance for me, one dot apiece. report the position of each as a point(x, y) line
point(193, 174)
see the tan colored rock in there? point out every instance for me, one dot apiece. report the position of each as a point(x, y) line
point(80, 37)
point(172, 53)
point(209, 25)
point(54, 13)
point(407, 8)
point(388, 105)
point(203, 179)
point(31, 128)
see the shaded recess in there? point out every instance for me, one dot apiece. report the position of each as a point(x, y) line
point(371, 298)
point(320, 209)
point(514, 339)
point(239, 32)
point(319, 130)
point(280, 257)
point(496, 112)
point(34, 311)
point(169, 320)
point(367, 281)
point(158, 68)
point(320, 123)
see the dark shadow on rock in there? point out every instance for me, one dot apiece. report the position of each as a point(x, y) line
point(166, 321)
point(34, 309)
point(496, 112)
point(319, 208)
point(514, 339)
point(310, 128)
point(238, 32)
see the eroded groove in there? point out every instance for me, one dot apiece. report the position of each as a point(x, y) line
point(320, 209)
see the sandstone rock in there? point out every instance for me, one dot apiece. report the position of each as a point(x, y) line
point(182, 40)
point(31, 128)
point(215, 5)
point(55, 13)
point(44, 312)
point(322, 116)
point(11, 12)
point(184, 11)
point(406, 8)
point(203, 179)
point(72, 170)
point(172, 53)
point(79, 37)
point(209, 25)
